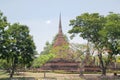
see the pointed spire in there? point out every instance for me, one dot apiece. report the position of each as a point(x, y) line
point(60, 40)
point(60, 25)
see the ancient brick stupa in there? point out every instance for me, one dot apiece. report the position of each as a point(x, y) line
point(61, 62)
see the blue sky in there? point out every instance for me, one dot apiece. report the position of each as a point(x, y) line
point(41, 16)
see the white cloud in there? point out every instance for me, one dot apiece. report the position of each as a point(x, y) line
point(48, 22)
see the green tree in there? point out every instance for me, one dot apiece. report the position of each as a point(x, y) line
point(111, 33)
point(97, 29)
point(3, 26)
point(4, 64)
point(42, 59)
point(118, 59)
point(47, 48)
point(111, 36)
point(20, 47)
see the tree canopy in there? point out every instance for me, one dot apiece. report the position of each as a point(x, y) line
point(17, 45)
point(42, 59)
point(3, 26)
point(102, 31)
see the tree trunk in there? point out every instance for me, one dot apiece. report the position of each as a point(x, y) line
point(103, 67)
point(12, 71)
point(44, 74)
point(103, 71)
point(81, 68)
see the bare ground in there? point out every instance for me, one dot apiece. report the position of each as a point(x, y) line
point(56, 76)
